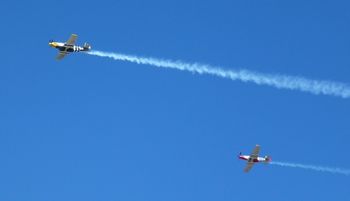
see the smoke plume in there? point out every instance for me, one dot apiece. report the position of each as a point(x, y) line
point(313, 167)
point(316, 87)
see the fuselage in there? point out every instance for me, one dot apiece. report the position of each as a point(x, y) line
point(254, 160)
point(68, 48)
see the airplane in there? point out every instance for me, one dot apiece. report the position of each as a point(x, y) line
point(69, 46)
point(253, 158)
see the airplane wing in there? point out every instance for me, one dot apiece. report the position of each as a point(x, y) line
point(72, 39)
point(61, 55)
point(248, 167)
point(255, 152)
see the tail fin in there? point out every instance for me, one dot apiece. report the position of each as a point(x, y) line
point(267, 159)
point(86, 46)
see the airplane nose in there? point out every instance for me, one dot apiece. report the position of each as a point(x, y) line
point(52, 44)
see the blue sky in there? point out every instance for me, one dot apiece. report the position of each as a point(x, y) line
point(90, 128)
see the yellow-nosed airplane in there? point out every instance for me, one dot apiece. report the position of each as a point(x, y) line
point(69, 46)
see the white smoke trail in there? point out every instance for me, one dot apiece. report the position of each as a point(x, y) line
point(277, 81)
point(313, 167)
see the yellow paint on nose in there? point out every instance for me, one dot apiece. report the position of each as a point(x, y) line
point(53, 44)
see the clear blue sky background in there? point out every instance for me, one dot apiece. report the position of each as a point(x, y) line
point(94, 129)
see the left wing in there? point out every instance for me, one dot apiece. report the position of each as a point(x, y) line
point(72, 39)
point(248, 167)
point(255, 152)
point(61, 55)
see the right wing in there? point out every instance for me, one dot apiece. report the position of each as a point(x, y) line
point(248, 167)
point(61, 55)
point(72, 39)
point(255, 152)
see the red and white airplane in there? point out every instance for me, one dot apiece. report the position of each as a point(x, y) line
point(253, 158)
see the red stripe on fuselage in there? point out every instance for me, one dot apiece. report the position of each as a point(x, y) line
point(241, 157)
point(255, 160)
